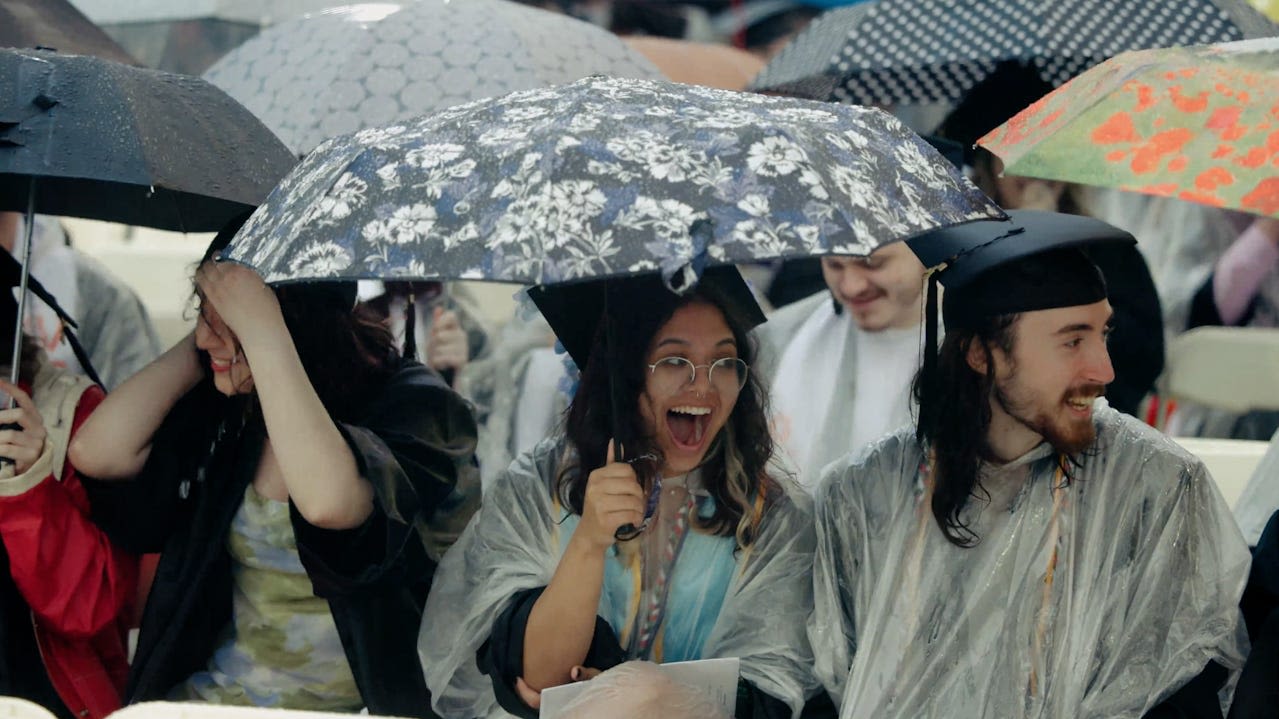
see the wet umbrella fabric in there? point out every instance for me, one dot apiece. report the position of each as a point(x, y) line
point(111, 142)
point(919, 51)
point(332, 73)
point(604, 177)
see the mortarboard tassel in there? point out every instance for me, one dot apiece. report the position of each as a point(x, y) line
point(930, 353)
point(410, 326)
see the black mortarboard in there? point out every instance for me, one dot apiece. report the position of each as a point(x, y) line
point(1006, 91)
point(575, 309)
point(1032, 261)
point(972, 252)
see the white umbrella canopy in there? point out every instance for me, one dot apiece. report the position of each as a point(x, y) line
point(187, 36)
point(348, 68)
point(249, 12)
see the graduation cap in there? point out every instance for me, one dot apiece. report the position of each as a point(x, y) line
point(1033, 261)
point(1006, 91)
point(577, 311)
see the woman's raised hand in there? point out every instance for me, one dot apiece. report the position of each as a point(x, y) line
point(613, 499)
point(245, 303)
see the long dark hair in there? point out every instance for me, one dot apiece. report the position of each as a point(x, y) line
point(735, 467)
point(346, 350)
point(954, 417)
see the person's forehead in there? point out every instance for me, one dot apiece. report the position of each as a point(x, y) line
point(1095, 315)
point(888, 251)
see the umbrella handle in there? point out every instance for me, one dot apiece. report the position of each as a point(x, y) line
point(626, 532)
point(15, 363)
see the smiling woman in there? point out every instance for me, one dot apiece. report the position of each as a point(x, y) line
point(541, 587)
point(297, 477)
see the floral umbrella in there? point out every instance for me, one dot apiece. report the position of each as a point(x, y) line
point(1197, 123)
point(603, 177)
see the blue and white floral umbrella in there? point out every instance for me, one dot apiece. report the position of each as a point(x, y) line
point(604, 177)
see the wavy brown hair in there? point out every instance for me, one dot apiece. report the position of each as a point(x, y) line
point(735, 467)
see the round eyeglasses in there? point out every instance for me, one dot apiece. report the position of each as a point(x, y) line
point(727, 375)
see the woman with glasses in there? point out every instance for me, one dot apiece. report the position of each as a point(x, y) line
point(684, 548)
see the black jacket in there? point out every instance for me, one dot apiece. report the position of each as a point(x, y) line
point(415, 443)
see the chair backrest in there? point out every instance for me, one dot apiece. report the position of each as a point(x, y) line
point(1230, 368)
point(1231, 462)
point(200, 710)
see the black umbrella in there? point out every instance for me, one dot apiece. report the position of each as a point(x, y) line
point(920, 51)
point(91, 138)
point(112, 142)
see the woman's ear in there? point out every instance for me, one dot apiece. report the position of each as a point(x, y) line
point(978, 356)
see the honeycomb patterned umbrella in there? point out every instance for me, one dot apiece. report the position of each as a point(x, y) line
point(348, 68)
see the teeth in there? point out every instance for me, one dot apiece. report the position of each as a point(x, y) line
point(696, 411)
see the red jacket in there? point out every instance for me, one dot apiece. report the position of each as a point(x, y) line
point(80, 587)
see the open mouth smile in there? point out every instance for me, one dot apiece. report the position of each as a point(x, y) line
point(687, 425)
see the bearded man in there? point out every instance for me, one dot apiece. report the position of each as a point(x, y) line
point(1025, 551)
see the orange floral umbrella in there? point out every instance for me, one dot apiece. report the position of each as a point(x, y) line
point(1199, 123)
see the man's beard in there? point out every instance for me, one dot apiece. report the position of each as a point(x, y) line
point(1067, 435)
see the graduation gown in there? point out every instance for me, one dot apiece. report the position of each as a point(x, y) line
point(1142, 595)
point(723, 602)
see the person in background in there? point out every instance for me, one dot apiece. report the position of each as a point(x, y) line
point(840, 363)
point(113, 324)
point(447, 334)
point(67, 592)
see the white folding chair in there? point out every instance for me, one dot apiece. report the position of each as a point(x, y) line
point(1231, 368)
point(1231, 462)
point(15, 708)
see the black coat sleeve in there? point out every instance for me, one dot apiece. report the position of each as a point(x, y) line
point(754, 703)
point(416, 446)
point(1204, 311)
point(142, 513)
point(1197, 699)
point(502, 656)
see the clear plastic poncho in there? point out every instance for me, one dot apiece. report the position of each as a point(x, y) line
point(1098, 599)
point(751, 604)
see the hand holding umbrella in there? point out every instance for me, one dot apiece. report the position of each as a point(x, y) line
point(614, 499)
point(22, 439)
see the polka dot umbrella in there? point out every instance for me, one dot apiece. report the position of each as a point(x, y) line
point(357, 66)
point(919, 51)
